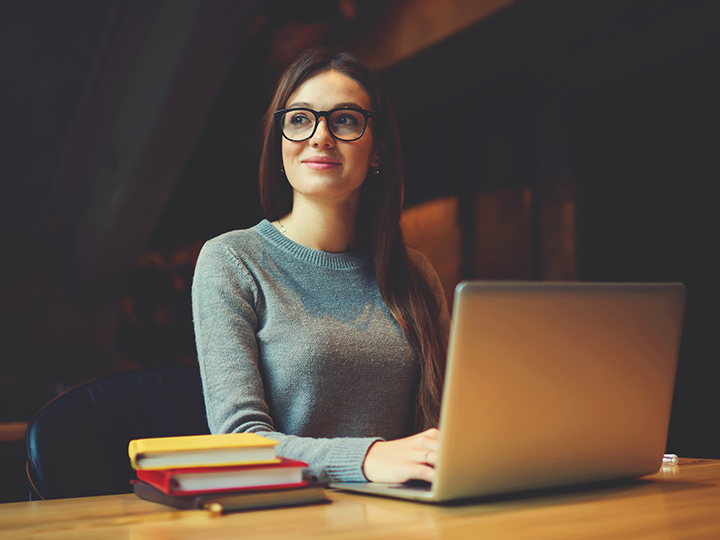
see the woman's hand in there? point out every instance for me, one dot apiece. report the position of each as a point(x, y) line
point(411, 458)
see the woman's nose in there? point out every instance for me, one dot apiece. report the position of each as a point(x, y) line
point(322, 135)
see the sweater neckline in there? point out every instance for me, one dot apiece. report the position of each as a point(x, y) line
point(336, 261)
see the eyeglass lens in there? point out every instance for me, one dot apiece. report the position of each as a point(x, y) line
point(346, 125)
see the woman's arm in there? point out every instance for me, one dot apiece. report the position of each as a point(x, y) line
point(226, 300)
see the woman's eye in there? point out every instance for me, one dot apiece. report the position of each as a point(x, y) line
point(299, 119)
point(346, 120)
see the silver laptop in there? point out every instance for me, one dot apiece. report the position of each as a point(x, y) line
point(552, 384)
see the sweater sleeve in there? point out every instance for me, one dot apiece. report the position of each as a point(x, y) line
point(225, 300)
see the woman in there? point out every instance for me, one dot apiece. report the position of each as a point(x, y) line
point(317, 327)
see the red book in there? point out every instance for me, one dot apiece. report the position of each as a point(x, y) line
point(191, 481)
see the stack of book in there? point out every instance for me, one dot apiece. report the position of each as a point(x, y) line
point(222, 473)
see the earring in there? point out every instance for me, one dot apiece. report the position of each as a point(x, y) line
point(377, 170)
point(282, 170)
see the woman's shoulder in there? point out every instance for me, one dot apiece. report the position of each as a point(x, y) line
point(422, 263)
point(233, 246)
point(238, 240)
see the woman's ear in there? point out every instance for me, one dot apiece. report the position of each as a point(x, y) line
point(375, 161)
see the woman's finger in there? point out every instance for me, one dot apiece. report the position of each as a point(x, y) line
point(427, 457)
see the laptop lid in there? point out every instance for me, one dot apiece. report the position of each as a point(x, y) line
point(550, 384)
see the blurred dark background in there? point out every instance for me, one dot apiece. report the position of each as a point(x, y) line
point(545, 139)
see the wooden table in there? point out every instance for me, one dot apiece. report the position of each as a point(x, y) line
point(679, 502)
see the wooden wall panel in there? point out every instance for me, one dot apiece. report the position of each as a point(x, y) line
point(432, 228)
point(503, 230)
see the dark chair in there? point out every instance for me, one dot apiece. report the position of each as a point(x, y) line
point(77, 444)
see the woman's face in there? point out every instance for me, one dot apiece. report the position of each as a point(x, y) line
point(322, 167)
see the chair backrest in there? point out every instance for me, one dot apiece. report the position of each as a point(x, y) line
point(77, 444)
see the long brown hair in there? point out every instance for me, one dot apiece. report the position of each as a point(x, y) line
point(403, 287)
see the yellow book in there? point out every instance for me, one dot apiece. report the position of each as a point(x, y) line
point(201, 451)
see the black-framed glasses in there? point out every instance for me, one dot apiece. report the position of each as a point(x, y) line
point(345, 124)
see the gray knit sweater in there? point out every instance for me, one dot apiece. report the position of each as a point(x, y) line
point(298, 345)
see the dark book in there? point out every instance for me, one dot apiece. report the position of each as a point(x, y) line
point(224, 502)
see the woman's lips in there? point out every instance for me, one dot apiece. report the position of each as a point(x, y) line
point(320, 163)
